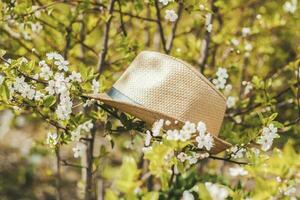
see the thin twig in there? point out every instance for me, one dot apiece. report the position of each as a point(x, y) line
point(174, 27)
point(160, 27)
point(104, 50)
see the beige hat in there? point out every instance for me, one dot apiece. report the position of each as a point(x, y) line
point(157, 86)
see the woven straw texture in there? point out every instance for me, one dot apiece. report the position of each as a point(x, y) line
point(168, 88)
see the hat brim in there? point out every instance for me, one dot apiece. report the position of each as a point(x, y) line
point(150, 116)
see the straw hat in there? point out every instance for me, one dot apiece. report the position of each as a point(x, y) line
point(157, 86)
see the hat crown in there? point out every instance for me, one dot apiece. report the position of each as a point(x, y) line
point(170, 86)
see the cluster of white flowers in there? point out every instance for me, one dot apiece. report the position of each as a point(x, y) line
point(85, 127)
point(267, 137)
point(171, 15)
point(193, 158)
point(165, 2)
point(231, 101)
point(64, 108)
point(26, 90)
point(59, 61)
point(79, 150)
point(220, 81)
point(46, 72)
point(187, 195)
point(248, 87)
point(290, 6)
point(237, 152)
point(204, 139)
point(237, 171)
point(52, 139)
point(217, 192)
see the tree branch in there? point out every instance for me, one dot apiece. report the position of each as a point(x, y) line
point(104, 50)
point(160, 28)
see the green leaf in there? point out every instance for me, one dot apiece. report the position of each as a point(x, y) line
point(49, 101)
point(2, 52)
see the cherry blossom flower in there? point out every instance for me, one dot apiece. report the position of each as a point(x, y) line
point(75, 77)
point(237, 152)
point(220, 81)
point(184, 135)
point(79, 150)
point(172, 135)
point(290, 6)
point(52, 139)
point(231, 102)
point(237, 171)
point(201, 127)
point(95, 86)
point(189, 127)
point(54, 56)
point(62, 65)
point(64, 108)
point(217, 192)
point(46, 72)
point(204, 140)
point(171, 15)
point(246, 31)
point(266, 139)
point(157, 127)
point(148, 138)
point(193, 158)
point(164, 2)
point(248, 87)
point(182, 156)
point(187, 195)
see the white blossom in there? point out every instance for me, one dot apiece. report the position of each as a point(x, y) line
point(237, 171)
point(75, 77)
point(172, 135)
point(187, 195)
point(248, 87)
point(165, 2)
point(46, 72)
point(52, 139)
point(217, 192)
point(182, 156)
point(64, 108)
point(201, 127)
point(62, 65)
point(230, 102)
point(156, 127)
point(148, 138)
point(246, 31)
point(220, 81)
point(248, 46)
point(171, 15)
point(184, 135)
point(290, 191)
point(193, 158)
point(54, 56)
point(290, 6)
point(267, 137)
point(204, 140)
point(227, 89)
point(237, 152)
point(167, 122)
point(189, 127)
point(79, 150)
point(235, 42)
point(36, 27)
point(95, 86)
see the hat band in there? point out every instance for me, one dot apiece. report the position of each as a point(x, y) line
point(118, 95)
